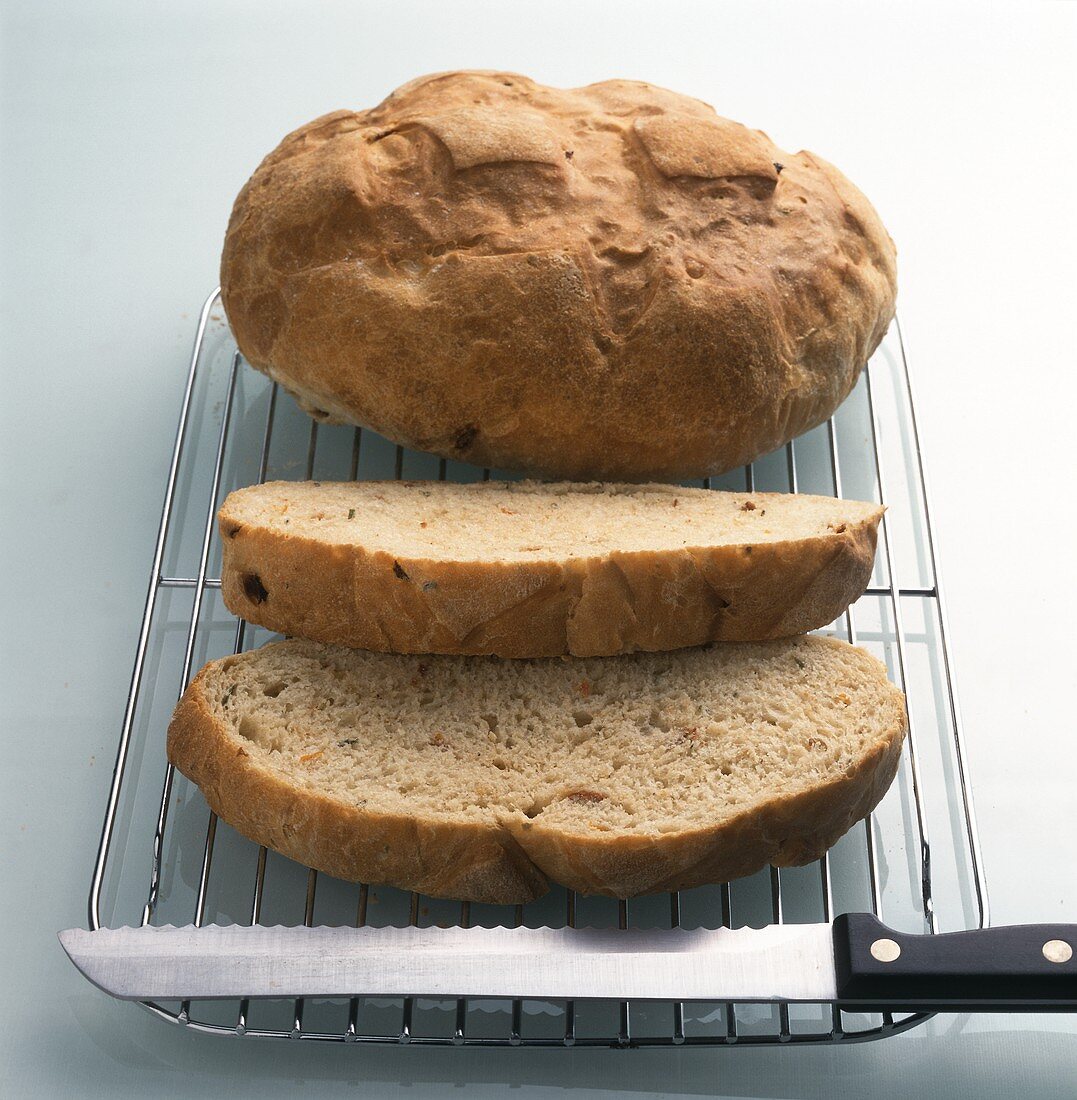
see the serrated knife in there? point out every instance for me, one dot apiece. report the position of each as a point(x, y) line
point(856, 961)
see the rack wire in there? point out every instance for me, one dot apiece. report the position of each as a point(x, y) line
point(164, 857)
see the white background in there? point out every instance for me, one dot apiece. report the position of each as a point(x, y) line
point(126, 131)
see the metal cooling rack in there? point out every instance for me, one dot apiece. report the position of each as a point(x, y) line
point(164, 858)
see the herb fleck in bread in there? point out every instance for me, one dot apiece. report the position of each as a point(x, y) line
point(482, 779)
point(524, 569)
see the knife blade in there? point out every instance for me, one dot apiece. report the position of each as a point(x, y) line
point(858, 962)
point(776, 963)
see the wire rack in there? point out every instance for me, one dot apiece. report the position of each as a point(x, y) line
point(165, 858)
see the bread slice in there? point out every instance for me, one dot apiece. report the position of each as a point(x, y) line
point(525, 569)
point(469, 777)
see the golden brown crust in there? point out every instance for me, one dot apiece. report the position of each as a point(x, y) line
point(618, 603)
point(607, 282)
point(511, 862)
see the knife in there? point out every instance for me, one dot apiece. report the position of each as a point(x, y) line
point(856, 962)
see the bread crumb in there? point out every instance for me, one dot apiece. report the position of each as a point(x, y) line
point(748, 506)
point(842, 698)
point(307, 756)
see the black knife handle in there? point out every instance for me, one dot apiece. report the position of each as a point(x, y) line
point(1030, 967)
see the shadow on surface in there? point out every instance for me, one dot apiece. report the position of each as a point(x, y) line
point(957, 1056)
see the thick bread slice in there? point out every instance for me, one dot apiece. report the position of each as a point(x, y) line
point(475, 778)
point(525, 569)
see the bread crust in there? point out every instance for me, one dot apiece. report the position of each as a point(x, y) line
point(513, 860)
point(619, 602)
point(605, 282)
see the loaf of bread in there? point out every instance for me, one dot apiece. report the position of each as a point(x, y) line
point(474, 778)
point(523, 569)
point(609, 282)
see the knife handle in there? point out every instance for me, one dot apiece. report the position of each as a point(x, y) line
point(1030, 967)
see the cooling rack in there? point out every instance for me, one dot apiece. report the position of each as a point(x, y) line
point(165, 858)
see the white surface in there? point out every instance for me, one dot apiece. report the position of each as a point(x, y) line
point(126, 130)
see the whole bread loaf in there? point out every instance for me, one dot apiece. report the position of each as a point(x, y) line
point(608, 282)
point(470, 777)
point(526, 569)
